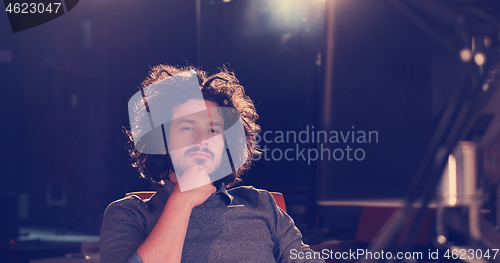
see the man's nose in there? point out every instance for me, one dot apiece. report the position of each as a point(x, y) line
point(202, 137)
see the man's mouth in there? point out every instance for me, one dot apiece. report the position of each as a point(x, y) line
point(200, 155)
point(199, 152)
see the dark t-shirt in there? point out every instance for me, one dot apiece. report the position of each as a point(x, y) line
point(240, 225)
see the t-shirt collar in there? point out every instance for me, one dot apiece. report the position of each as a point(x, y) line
point(221, 189)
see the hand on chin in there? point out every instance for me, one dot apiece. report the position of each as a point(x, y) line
point(194, 176)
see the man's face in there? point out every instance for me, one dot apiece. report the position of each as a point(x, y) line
point(196, 136)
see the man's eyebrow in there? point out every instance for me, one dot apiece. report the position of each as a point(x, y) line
point(217, 124)
point(195, 122)
point(186, 120)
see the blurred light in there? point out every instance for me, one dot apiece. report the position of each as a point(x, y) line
point(441, 239)
point(318, 59)
point(480, 58)
point(486, 87)
point(226, 1)
point(452, 201)
point(466, 54)
point(487, 41)
point(12, 242)
point(87, 257)
point(286, 15)
point(452, 183)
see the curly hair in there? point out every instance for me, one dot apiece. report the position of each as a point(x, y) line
point(225, 90)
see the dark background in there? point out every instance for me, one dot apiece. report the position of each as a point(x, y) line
point(65, 87)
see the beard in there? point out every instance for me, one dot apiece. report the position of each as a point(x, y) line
point(182, 161)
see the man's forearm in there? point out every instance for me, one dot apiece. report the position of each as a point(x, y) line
point(166, 240)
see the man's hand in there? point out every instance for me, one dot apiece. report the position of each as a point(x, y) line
point(198, 181)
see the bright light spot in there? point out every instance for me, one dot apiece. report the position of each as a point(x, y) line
point(87, 257)
point(452, 200)
point(441, 239)
point(486, 87)
point(452, 177)
point(304, 19)
point(479, 58)
point(465, 55)
point(226, 1)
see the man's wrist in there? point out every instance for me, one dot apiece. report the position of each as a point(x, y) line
point(178, 202)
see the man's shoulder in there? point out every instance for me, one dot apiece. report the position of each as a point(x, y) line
point(126, 203)
point(247, 190)
point(136, 203)
point(252, 195)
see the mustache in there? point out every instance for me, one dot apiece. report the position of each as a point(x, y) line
point(199, 149)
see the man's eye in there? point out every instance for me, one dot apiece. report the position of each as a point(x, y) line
point(215, 131)
point(187, 129)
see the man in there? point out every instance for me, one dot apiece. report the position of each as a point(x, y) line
point(195, 218)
